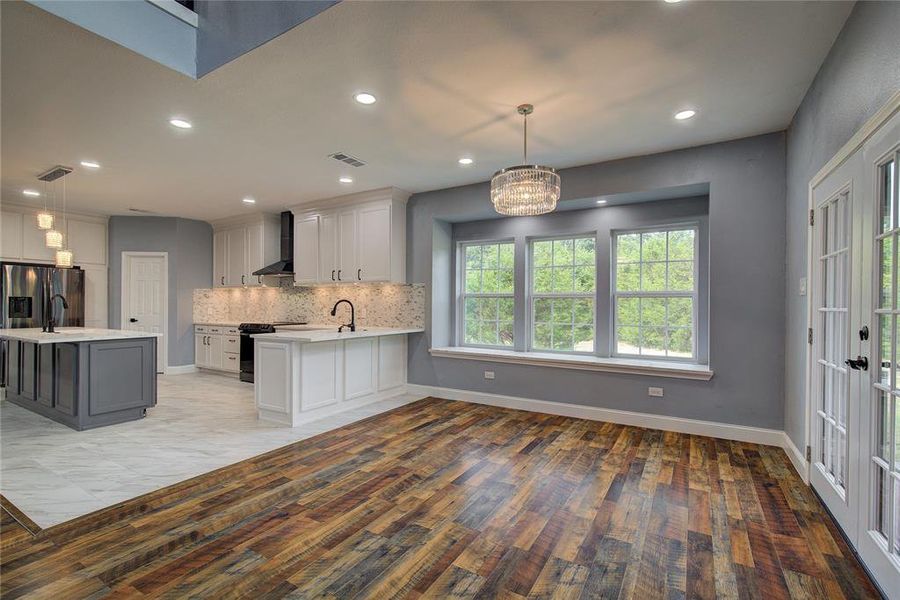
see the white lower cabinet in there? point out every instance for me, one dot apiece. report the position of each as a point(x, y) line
point(296, 382)
point(217, 348)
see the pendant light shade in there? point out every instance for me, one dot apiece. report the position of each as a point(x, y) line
point(64, 259)
point(53, 239)
point(525, 190)
point(44, 220)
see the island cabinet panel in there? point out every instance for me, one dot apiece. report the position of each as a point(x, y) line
point(321, 379)
point(273, 379)
point(14, 368)
point(28, 374)
point(359, 367)
point(45, 374)
point(391, 362)
point(84, 384)
point(66, 378)
point(119, 376)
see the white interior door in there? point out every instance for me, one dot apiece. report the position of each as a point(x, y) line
point(144, 295)
point(835, 384)
point(879, 537)
point(855, 368)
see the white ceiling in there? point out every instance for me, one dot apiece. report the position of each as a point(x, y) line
point(605, 79)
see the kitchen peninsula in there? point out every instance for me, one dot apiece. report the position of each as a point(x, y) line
point(306, 373)
point(82, 377)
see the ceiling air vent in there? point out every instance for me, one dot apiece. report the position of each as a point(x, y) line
point(347, 159)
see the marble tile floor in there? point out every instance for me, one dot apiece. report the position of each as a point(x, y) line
point(201, 422)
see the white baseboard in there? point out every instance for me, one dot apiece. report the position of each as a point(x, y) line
point(180, 369)
point(798, 458)
point(740, 433)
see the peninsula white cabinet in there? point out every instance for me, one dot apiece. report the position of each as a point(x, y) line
point(352, 239)
point(298, 381)
point(244, 245)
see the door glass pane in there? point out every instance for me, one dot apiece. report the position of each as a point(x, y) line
point(886, 271)
point(882, 425)
point(888, 219)
point(881, 501)
point(884, 328)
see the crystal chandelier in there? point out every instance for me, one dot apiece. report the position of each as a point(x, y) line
point(53, 239)
point(45, 217)
point(64, 259)
point(525, 189)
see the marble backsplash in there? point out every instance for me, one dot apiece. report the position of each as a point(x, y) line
point(377, 305)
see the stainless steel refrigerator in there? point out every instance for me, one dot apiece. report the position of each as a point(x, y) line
point(25, 290)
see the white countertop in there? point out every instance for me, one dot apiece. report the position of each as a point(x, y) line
point(71, 334)
point(329, 333)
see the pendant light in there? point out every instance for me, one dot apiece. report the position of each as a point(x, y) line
point(525, 189)
point(64, 255)
point(53, 238)
point(45, 217)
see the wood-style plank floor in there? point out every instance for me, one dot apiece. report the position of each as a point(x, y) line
point(444, 499)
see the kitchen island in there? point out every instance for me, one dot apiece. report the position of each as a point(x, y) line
point(309, 372)
point(83, 378)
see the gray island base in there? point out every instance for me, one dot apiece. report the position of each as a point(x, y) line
point(82, 383)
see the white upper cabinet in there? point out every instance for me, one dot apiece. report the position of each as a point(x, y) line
point(90, 240)
point(373, 225)
point(306, 249)
point(34, 247)
point(241, 247)
point(360, 238)
point(348, 256)
point(219, 258)
point(328, 247)
point(11, 232)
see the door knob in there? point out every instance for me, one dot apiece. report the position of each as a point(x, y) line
point(860, 364)
point(133, 320)
point(864, 333)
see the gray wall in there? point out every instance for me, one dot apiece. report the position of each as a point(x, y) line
point(189, 245)
point(746, 181)
point(226, 30)
point(603, 221)
point(859, 75)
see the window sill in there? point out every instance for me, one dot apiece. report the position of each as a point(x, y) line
point(652, 368)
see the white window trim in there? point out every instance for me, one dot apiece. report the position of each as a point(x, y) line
point(582, 362)
point(531, 295)
point(460, 310)
point(694, 295)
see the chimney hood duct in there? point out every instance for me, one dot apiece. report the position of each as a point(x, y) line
point(285, 266)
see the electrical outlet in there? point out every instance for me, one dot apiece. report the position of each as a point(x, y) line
point(803, 286)
point(488, 374)
point(656, 392)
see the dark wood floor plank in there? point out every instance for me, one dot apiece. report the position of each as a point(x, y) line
point(443, 499)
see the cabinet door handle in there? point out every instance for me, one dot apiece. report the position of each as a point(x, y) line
point(223, 280)
point(242, 280)
point(332, 274)
point(339, 274)
point(359, 274)
point(259, 279)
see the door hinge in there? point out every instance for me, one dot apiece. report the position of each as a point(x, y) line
point(812, 217)
point(809, 336)
point(808, 454)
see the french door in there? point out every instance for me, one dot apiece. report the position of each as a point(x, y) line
point(855, 386)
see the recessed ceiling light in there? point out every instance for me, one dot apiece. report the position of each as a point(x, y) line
point(672, 1)
point(31, 192)
point(364, 98)
point(90, 164)
point(685, 114)
point(180, 123)
point(466, 161)
point(601, 201)
point(346, 180)
point(249, 200)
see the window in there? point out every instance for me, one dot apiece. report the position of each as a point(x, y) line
point(563, 286)
point(655, 293)
point(487, 294)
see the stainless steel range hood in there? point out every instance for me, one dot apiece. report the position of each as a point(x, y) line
point(284, 267)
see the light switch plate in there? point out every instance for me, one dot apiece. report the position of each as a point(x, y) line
point(803, 286)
